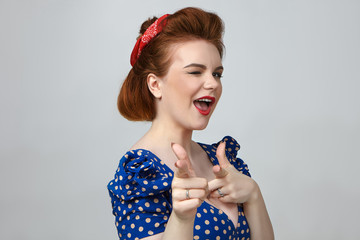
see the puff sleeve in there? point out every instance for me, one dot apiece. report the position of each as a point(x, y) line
point(141, 195)
point(231, 150)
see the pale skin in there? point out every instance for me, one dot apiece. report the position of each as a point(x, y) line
point(195, 72)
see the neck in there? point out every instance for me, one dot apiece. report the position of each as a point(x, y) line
point(165, 132)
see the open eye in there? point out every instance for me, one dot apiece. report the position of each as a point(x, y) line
point(217, 75)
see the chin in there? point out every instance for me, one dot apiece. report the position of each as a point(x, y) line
point(200, 126)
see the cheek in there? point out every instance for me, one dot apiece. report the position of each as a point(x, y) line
point(187, 88)
point(220, 90)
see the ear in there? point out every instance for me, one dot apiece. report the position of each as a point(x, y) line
point(154, 84)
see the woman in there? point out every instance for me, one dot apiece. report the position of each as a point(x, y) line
point(168, 186)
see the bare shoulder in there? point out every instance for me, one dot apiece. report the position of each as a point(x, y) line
point(154, 237)
point(143, 143)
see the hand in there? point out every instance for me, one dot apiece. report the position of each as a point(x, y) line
point(188, 191)
point(230, 185)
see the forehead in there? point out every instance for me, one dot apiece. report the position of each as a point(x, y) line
point(195, 51)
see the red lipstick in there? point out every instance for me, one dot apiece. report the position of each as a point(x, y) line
point(203, 104)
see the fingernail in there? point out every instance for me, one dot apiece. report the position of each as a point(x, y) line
point(172, 144)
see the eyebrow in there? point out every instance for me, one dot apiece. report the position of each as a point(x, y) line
point(202, 66)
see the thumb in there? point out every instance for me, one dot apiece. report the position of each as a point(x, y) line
point(183, 164)
point(219, 172)
point(220, 154)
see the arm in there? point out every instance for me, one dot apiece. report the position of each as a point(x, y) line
point(179, 229)
point(257, 216)
point(176, 229)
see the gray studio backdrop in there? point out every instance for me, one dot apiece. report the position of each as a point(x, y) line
point(291, 99)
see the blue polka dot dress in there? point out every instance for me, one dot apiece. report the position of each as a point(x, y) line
point(141, 197)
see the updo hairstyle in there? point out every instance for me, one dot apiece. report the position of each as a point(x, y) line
point(135, 101)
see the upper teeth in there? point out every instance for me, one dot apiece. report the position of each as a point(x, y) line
point(204, 100)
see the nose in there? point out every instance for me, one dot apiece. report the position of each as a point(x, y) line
point(211, 82)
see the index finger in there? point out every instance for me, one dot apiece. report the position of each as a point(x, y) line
point(182, 170)
point(183, 164)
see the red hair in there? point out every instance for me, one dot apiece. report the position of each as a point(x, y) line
point(135, 101)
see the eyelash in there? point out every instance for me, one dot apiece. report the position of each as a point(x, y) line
point(195, 73)
point(215, 74)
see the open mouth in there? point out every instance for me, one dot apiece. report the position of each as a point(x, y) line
point(203, 104)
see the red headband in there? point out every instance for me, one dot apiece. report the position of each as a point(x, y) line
point(149, 34)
